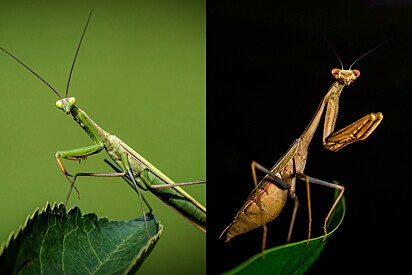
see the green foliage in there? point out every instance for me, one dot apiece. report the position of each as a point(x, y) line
point(72, 243)
point(294, 258)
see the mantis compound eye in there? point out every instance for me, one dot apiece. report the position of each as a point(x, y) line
point(336, 73)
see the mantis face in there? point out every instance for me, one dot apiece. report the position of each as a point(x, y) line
point(345, 76)
point(66, 104)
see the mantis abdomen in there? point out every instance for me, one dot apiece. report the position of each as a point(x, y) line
point(175, 200)
point(251, 216)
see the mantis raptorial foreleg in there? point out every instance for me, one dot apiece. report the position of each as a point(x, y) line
point(77, 155)
point(358, 130)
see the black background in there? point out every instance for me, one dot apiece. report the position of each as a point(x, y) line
point(268, 66)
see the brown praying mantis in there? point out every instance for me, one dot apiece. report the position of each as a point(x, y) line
point(268, 198)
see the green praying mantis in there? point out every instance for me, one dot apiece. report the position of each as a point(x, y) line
point(130, 165)
point(268, 198)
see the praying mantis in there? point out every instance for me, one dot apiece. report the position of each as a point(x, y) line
point(142, 174)
point(269, 196)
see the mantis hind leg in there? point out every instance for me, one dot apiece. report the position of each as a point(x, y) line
point(125, 176)
point(129, 178)
point(341, 188)
point(129, 181)
point(259, 203)
point(125, 173)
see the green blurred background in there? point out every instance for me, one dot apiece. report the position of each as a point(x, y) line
point(140, 75)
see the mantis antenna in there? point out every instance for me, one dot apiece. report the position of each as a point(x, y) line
point(71, 69)
point(362, 56)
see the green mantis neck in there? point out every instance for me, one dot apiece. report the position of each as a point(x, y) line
point(97, 134)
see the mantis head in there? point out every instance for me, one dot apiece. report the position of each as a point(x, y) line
point(345, 76)
point(66, 104)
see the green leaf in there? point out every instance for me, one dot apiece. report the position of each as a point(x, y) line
point(294, 258)
point(72, 243)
